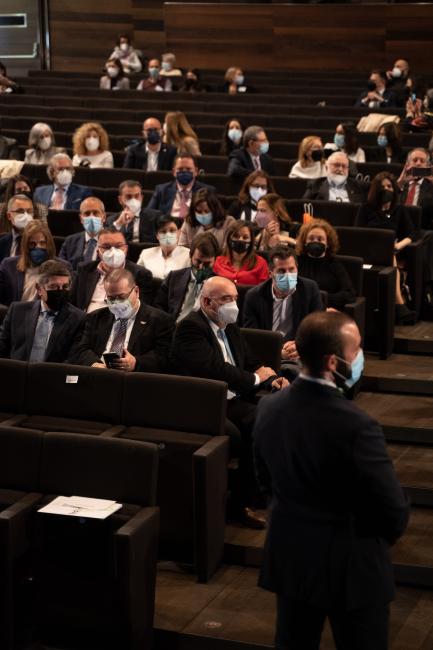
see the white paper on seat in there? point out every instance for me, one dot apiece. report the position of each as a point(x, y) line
point(81, 507)
point(367, 266)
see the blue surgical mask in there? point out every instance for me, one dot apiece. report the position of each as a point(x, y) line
point(286, 281)
point(154, 72)
point(339, 140)
point(204, 219)
point(354, 372)
point(382, 140)
point(235, 135)
point(264, 148)
point(184, 178)
point(38, 256)
point(166, 66)
point(92, 225)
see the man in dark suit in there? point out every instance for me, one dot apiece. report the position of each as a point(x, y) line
point(135, 221)
point(282, 302)
point(43, 329)
point(337, 186)
point(175, 197)
point(180, 290)
point(88, 290)
point(139, 335)
point(151, 155)
point(418, 190)
point(208, 343)
point(336, 502)
point(82, 246)
point(253, 154)
point(62, 194)
point(20, 212)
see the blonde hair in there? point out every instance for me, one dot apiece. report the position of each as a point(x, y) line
point(80, 135)
point(304, 146)
point(178, 128)
point(230, 74)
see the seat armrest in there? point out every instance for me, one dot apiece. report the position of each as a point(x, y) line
point(13, 522)
point(386, 322)
point(13, 421)
point(113, 432)
point(356, 310)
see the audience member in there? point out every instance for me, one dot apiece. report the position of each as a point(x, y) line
point(19, 274)
point(175, 196)
point(138, 334)
point(62, 194)
point(19, 184)
point(239, 261)
point(115, 78)
point(169, 255)
point(419, 114)
point(255, 186)
point(311, 159)
point(19, 213)
point(43, 329)
point(135, 221)
point(179, 133)
point(91, 146)
point(81, 246)
point(42, 145)
point(206, 214)
point(192, 82)
point(128, 58)
point(169, 71)
point(400, 81)
point(276, 226)
point(208, 343)
point(234, 81)
point(316, 246)
point(377, 95)
point(9, 149)
point(252, 156)
point(346, 140)
point(337, 186)
point(7, 85)
point(418, 189)
point(151, 154)
point(232, 137)
point(153, 82)
point(389, 147)
point(180, 291)
point(88, 290)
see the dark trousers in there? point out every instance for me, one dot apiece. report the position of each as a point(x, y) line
point(244, 488)
point(300, 625)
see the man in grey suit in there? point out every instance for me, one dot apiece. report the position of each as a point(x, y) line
point(82, 246)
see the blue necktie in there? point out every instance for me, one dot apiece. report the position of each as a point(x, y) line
point(119, 338)
point(42, 335)
point(91, 245)
point(223, 337)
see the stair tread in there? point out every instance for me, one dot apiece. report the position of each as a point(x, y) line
point(408, 411)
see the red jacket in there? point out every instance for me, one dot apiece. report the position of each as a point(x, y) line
point(258, 274)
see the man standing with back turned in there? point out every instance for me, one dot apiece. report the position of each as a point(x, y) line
point(336, 506)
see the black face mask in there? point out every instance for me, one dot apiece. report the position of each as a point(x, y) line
point(57, 298)
point(371, 85)
point(386, 196)
point(153, 137)
point(317, 154)
point(239, 246)
point(315, 249)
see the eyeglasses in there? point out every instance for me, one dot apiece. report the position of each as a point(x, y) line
point(22, 211)
point(109, 300)
point(106, 247)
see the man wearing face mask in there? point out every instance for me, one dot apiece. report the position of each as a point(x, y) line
point(174, 198)
point(81, 246)
point(377, 94)
point(400, 81)
point(180, 292)
point(135, 221)
point(281, 303)
point(19, 213)
point(208, 343)
point(43, 329)
point(151, 154)
point(336, 504)
point(154, 82)
point(88, 290)
point(337, 186)
point(63, 194)
point(252, 156)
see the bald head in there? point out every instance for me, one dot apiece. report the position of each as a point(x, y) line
point(92, 205)
point(217, 285)
point(217, 291)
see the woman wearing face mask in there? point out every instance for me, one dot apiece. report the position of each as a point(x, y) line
point(19, 274)
point(346, 139)
point(276, 227)
point(114, 77)
point(42, 145)
point(19, 184)
point(192, 82)
point(317, 245)
point(169, 68)
point(389, 149)
point(382, 210)
point(232, 136)
point(311, 159)
point(235, 81)
point(239, 261)
point(169, 255)
point(179, 133)
point(206, 214)
point(255, 186)
point(91, 146)
point(128, 57)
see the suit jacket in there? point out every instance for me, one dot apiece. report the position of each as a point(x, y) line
point(87, 277)
point(136, 157)
point(149, 342)
point(389, 99)
point(425, 202)
point(172, 291)
point(72, 249)
point(197, 353)
point(164, 195)
point(336, 502)
point(74, 196)
point(258, 304)
point(319, 190)
point(241, 165)
point(5, 245)
point(19, 325)
point(146, 230)
point(12, 280)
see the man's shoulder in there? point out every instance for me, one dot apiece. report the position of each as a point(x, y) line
point(240, 154)
point(317, 183)
point(98, 315)
point(161, 188)
point(76, 236)
point(194, 320)
point(136, 270)
point(21, 307)
point(168, 148)
point(136, 147)
point(74, 312)
point(153, 313)
point(261, 290)
point(87, 267)
point(308, 285)
point(174, 276)
point(9, 262)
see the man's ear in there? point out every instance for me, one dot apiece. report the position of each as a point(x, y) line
point(331, 362)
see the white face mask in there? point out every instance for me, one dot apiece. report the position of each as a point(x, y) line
point(112, 72)
point(168, 238)
point(228, 313)
point(256, 193)
point(20, 221)
point(396, 73)
point(45, 142)
point(337, 179)
point(64, 177)
point(114, 258)
point(92, 143)
point(121, 309)
point(134, 205)
point(124, 47)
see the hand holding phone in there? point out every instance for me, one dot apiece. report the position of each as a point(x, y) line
point(109, 357)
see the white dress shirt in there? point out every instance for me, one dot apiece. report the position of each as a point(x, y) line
point(152, 159)
point(153, 259)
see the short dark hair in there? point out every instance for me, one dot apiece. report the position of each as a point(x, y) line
point(129, 183)
point(283, 253)
point(215, 206)
point(206, 243)
point(120, 274)
point(163, 220)
point(50, 268)
point(320, 335)
point(111, 230)
point(185, 155)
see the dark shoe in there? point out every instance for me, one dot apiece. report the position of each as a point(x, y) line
point(252, 519)
point(404, 316)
